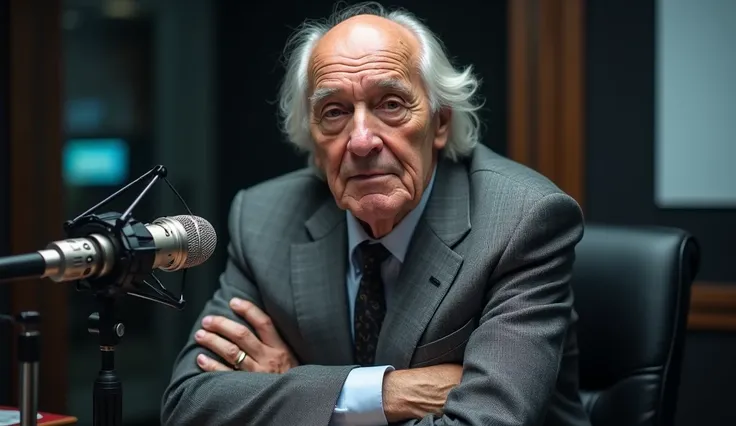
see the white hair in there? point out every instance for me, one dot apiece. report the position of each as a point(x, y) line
point(446, 86)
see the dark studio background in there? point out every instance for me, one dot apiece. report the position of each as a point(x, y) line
point(192, 85)
point(620, 182)
point(5, 335)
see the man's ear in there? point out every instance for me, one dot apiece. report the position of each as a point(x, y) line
point(442, 121)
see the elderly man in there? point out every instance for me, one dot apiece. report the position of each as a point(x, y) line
point(409, 276)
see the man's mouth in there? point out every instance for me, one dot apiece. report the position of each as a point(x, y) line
point(370, 175)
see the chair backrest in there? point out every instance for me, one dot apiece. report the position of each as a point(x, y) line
point(632, 294)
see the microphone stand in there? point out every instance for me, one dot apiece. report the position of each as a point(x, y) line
point(135, 252)
point(107, 399)
point(29, 354)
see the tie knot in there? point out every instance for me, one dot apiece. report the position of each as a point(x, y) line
point(373, 255)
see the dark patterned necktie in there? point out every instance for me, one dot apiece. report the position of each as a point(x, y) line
point(370, 303)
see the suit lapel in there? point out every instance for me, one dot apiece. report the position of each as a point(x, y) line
point(430, 266)
point(318, 271)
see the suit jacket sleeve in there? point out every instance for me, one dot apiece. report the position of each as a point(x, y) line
point(512, 359)
point(304, 395)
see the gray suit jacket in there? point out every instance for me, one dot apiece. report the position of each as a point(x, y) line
point(485, 283)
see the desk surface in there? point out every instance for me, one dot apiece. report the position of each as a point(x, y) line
point(47, 419)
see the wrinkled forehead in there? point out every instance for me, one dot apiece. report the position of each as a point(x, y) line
point(364, 45)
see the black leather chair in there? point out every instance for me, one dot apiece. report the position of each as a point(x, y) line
point(632, 293)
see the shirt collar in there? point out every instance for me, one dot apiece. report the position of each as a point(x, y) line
point(397, 241)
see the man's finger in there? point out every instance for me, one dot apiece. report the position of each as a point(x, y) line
point(235, 333)
point(251, 365)
point(261, 322)
point(227, 350)
point(208, 364)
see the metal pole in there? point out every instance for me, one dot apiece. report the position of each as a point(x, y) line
point(29, 354)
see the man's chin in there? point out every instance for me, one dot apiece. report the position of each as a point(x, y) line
point(374, 207)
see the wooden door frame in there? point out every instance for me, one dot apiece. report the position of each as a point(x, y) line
point(546, 119)
point(36, 204)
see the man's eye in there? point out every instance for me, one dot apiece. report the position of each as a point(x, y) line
point(391, 105)
point(333, 113)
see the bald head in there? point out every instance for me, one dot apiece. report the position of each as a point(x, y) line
point(364, 35)
point(360, 46)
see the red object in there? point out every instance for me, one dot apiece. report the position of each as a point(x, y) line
point(49, 419)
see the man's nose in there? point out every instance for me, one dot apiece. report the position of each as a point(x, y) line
point(363, 141)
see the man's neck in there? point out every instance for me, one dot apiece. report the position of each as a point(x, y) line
point(381, 228)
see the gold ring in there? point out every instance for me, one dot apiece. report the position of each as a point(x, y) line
point(241, 357)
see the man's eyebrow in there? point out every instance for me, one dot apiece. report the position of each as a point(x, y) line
point(394, 84)
point(322, 93)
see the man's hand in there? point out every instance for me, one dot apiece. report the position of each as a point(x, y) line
point(414, 393)
point(265, 351)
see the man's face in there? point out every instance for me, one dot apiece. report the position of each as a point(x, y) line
point(376, 138)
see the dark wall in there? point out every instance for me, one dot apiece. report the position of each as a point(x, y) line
point(709, 380)
point(5, 330)
point(249, 73)
point(620, 98)
point(620, 186)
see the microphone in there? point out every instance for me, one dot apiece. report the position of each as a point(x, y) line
point(112, 254)
point(178, 242)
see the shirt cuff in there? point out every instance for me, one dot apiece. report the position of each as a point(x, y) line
point(361, 399)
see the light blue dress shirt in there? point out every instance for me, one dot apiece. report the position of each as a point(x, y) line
point(361, 400)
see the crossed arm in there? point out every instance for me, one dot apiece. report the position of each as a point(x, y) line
point(271, 389)
point(422, 391)
point(510, 365)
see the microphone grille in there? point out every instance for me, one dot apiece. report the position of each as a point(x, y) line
point(201, 239)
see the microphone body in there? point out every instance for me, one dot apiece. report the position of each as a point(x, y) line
point(177, 242)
